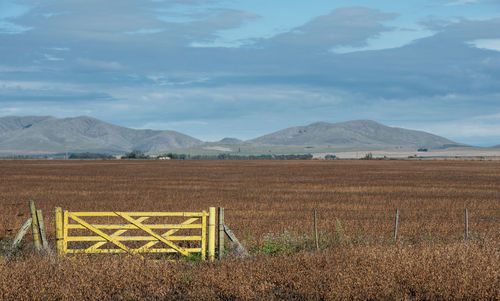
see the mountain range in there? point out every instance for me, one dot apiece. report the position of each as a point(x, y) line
point(46, 135)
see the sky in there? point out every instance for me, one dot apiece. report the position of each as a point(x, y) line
point(234, 68)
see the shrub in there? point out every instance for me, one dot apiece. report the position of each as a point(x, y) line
point(135, 154)
point(368, 156)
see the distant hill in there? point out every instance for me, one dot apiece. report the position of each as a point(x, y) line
point(34, 135)
point(46, 134)
point(230, 141)
point(365, 133)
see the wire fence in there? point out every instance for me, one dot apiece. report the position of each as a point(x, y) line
point(461, 223)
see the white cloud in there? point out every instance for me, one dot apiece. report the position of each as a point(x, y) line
point(145, 31)
point(19, 68)
point(482, 126)
point(386, 40)
point(40, 109)
point(11, 28)
point(163, 80)
point(346, 26)
point(490, 44)
point(11, 111)
point(52, 14)
point(461, 2)
point(49, 57)
point(39, 85)
point(159, 125)
point(59, 48)
point(99, 65)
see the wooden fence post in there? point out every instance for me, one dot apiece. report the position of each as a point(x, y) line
point(221, 233)
point(211, 234)
point(240, 250)
point(19, 236)
point(59, 231)
point(41, 225)
point(466, 224)
point(21, 233)
point(316, 240)
point(396, 221)
point(34, 226)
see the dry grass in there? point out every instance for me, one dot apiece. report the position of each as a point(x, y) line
point(355, 201)
point(451, 271)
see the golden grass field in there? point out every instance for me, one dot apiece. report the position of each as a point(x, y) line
point(269, 205)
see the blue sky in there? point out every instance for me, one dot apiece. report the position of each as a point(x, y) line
point(215, 69)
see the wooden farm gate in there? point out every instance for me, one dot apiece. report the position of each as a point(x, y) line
point(130, 232)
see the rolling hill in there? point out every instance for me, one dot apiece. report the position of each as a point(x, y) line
point(34, 135)
point(363, 133)
point(46, 134)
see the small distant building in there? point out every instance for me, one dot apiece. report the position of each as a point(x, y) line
point(164, 158)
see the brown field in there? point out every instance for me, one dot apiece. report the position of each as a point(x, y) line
point(269, 206)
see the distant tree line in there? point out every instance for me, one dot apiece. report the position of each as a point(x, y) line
point(176, 156)
point(135, 154)
point(225, 156)
point(88, 155)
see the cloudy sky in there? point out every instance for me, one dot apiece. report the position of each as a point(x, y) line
point(235, 68)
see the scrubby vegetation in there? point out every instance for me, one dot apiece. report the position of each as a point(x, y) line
point(135, 154)
point(455, 271)
point(227, 156)
point(88, 155)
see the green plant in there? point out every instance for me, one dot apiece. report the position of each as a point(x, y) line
point(284, 243)
point(324, 241)
point(339, 232)
point(196, 258)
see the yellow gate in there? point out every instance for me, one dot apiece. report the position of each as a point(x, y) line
point(124, 237)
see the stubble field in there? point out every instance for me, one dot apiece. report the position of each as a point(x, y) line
point(269, 205)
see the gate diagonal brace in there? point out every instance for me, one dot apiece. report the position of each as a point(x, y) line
point(103, 235)
point(114, 234)
point(168, 233)
point(152, 233)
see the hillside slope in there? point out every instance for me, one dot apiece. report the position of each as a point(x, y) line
point(46, 134)
point(364, 133)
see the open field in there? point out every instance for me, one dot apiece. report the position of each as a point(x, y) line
point(489, 153)
point(343, 152)
point(269, 206)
